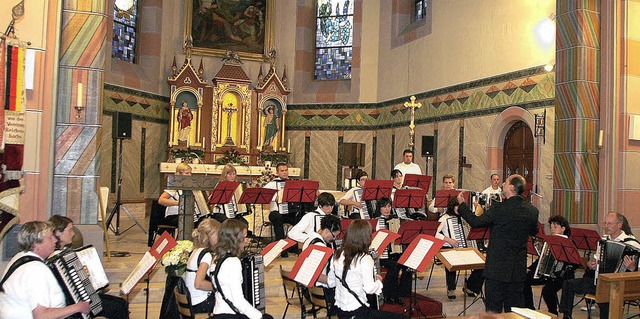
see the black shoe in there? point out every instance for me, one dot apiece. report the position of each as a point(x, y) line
point(469, 292)
point(399, 301)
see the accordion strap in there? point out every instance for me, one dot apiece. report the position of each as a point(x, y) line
point(21, 261)
point(219, 288)
point(343, 281)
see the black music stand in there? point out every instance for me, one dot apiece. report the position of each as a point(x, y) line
point(443, 196)
point(409, 198)
point(253, 196)
point(299, 192)
point(586, 239)
point(532, 248)
point(563, 249)
point(223, 193)
point(377, 189)
point(419, 181)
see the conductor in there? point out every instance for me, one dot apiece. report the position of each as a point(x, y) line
point(511, 222)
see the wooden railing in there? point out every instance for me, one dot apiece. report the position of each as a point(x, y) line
point(617, 288)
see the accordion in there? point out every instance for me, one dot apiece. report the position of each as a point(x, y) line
point(71, 268)
point(611, 256)
point(548, 266)
point(253, 281)
point(458, 230)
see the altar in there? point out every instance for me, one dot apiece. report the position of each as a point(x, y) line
point(215, 169)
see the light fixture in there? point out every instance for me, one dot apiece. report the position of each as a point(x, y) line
point(124, 5)
point(550, 65)
point(79, 107)
point(545, 31)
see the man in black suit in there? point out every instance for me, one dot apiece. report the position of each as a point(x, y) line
point(510, 222)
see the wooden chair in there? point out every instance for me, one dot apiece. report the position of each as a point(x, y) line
point(157, 223)
point(319, 301)
point(183, 299)
point(293, 294)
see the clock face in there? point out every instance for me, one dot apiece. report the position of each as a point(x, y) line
point(124, 4)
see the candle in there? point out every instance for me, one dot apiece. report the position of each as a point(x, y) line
point(187, 142)
point(600, 138)
point(289, 145)
point(79, 97)
point(203, 142)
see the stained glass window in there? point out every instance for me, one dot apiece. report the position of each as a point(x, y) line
point(334, 39)
point(420, 11)
point(125, 30)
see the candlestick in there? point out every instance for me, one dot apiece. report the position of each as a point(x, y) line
point(79, 97)
point(203, 142)
point(289, 145)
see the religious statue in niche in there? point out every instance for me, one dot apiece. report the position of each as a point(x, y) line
point(184, 118)
point(272, 113)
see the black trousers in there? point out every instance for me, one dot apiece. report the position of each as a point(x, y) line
point(114, 307)
point(502, 295)
point(391, 287)
point(277, 221)
point(549, 290)
point(206, 306)
point(474, 281)
point(572, 287)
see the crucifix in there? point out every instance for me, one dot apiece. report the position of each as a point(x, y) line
point(230, 110)
point(413, 105)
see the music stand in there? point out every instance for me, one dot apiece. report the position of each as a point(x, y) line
point(377, 189)
point(563, 249)
point(443, 196)
point(344, 226)
point(419, 181)
point(409, 198)
point(586, 239)
point(532, 249)
point(223, 193)
point(254, 196)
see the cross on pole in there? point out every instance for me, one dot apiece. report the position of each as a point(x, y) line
point(229, 109)
point(413, 105)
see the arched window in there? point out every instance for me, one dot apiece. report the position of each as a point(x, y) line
point(334, 39)
point(125, 16)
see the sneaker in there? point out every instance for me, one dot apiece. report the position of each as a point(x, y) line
point(451, 294)
point(469, 292)
point(584, 308)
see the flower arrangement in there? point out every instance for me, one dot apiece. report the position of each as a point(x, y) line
point(274, 158)
point(231, 156)
point(264, 178)
point(175, 261)
point(187, 154)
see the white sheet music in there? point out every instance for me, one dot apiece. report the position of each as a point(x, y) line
point(462, 257)
point(274, 252)
point(309, 267)
point(143, 266)
point(418, 253)
point(89, 258)
point(377, 241)
point(528, 313)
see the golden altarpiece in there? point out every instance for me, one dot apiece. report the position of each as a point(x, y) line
point(234, 114)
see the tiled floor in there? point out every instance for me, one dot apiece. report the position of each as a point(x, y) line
point(134, 241)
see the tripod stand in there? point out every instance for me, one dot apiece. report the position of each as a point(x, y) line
point(115, 212)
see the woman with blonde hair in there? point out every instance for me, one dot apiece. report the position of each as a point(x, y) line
point(205, 238)
point(226, 272)
point(222, 212)
point(171, 198)
point(352, 273)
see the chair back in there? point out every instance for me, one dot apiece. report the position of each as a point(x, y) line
point(317, 297)
point(288, 284)
point(183, 299)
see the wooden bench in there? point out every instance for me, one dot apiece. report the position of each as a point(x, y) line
point(617, 288)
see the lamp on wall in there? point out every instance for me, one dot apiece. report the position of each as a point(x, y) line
point(79, 107)
point(540, 126)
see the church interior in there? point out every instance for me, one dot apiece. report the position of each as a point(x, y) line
point(114, 94)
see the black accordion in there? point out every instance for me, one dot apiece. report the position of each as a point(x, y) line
point(253, 281)
point(74, 281)
point(612, 255)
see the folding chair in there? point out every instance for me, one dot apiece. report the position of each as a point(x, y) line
point(293, 294)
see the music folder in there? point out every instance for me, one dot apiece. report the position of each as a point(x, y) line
point(223, 192)
point(257, 195)
point(300, 191)
point(415, 180)
point(377, 189)
point(381, 239)
point(163, 244)
point(462, 259)
point(420, 252)
point(409, 198)
point(274, 249)
point(443, 196)
point(563, 249)
point(309, 264)
point(586, 239)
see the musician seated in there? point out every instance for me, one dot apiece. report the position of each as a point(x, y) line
point(448, 183)
point(205, 238)
point(404, 213)
point(392, 289)
point(226, 274)
point(310, 222)
point(171, 198)
point(69, 236)
point(552, 284)
point(29, 287)
point(473, 286)
point(353, 197)
point(233, 209)
point(278, 216)
point(616, 228)
point(352, 274)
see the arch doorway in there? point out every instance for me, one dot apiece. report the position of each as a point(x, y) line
point(518, 151)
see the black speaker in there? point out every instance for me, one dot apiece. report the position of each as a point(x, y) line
point(121, 126)
point(427, 146)
point(353, 154)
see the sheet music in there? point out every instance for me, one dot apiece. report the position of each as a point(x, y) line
point(462, 257)
point(142, 267)
point(91, 261)
point(274, 252)
point(528, 313)
point(309, 266)
point(377, 241)
point(418, 253)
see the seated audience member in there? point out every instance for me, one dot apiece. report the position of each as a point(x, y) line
point(171, 198)
point(205, 238)
point(352, 274)
point(560, 227)
point(29, 288)
point(309, 223)
point(616, 228)
point(474, 283)
point(68, 235)
point(392, 289)
point(226, 274)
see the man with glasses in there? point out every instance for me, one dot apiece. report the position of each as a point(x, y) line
point(310, 222)
point(616, 228)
